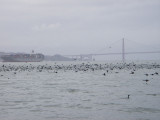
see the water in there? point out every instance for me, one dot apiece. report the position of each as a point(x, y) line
point(79, 91)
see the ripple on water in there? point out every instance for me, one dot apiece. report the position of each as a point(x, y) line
point(19, 101)
point(142, 110)
point(53, 105)
point(86, 100)
point(8, 104)
point(72, 90)
point(152, 94)
point(6, 83)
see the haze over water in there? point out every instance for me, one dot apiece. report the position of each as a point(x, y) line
point(80, 91)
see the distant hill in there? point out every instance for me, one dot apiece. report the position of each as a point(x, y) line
point(2, 53)
point(57, 57)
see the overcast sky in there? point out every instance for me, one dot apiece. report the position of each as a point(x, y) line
point(79, 26)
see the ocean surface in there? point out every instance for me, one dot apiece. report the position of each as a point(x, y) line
point(80, 91)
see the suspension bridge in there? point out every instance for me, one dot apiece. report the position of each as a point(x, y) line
point(123, 53)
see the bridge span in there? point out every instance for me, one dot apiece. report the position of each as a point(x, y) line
point(89, 57)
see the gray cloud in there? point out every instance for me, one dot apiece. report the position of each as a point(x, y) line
point(77, 26)
point(44, 27)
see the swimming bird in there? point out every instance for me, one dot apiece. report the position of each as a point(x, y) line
point(156, 73)
point(128, 96)
point(146, 74)
point(132, 72)
point(146, 81)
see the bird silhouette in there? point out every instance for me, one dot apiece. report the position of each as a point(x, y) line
point(146, 81)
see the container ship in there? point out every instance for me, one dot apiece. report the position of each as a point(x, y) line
point(21, 57)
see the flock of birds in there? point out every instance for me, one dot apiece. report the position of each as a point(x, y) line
point(79, 67)
point(85, 67)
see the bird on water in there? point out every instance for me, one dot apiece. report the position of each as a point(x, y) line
point(128, 96)
point(146, 80)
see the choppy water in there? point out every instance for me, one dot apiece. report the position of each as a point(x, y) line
point(79, 91)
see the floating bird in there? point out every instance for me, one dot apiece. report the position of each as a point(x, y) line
point(128, 96)
point(146, 81)
point(156, 73)
point(132, 72)
point(146, 74)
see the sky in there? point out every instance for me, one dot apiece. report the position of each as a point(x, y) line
point(79, 26)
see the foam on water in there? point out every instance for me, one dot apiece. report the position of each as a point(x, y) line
point(79, 91)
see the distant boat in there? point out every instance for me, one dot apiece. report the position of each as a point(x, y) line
point(20, 57)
